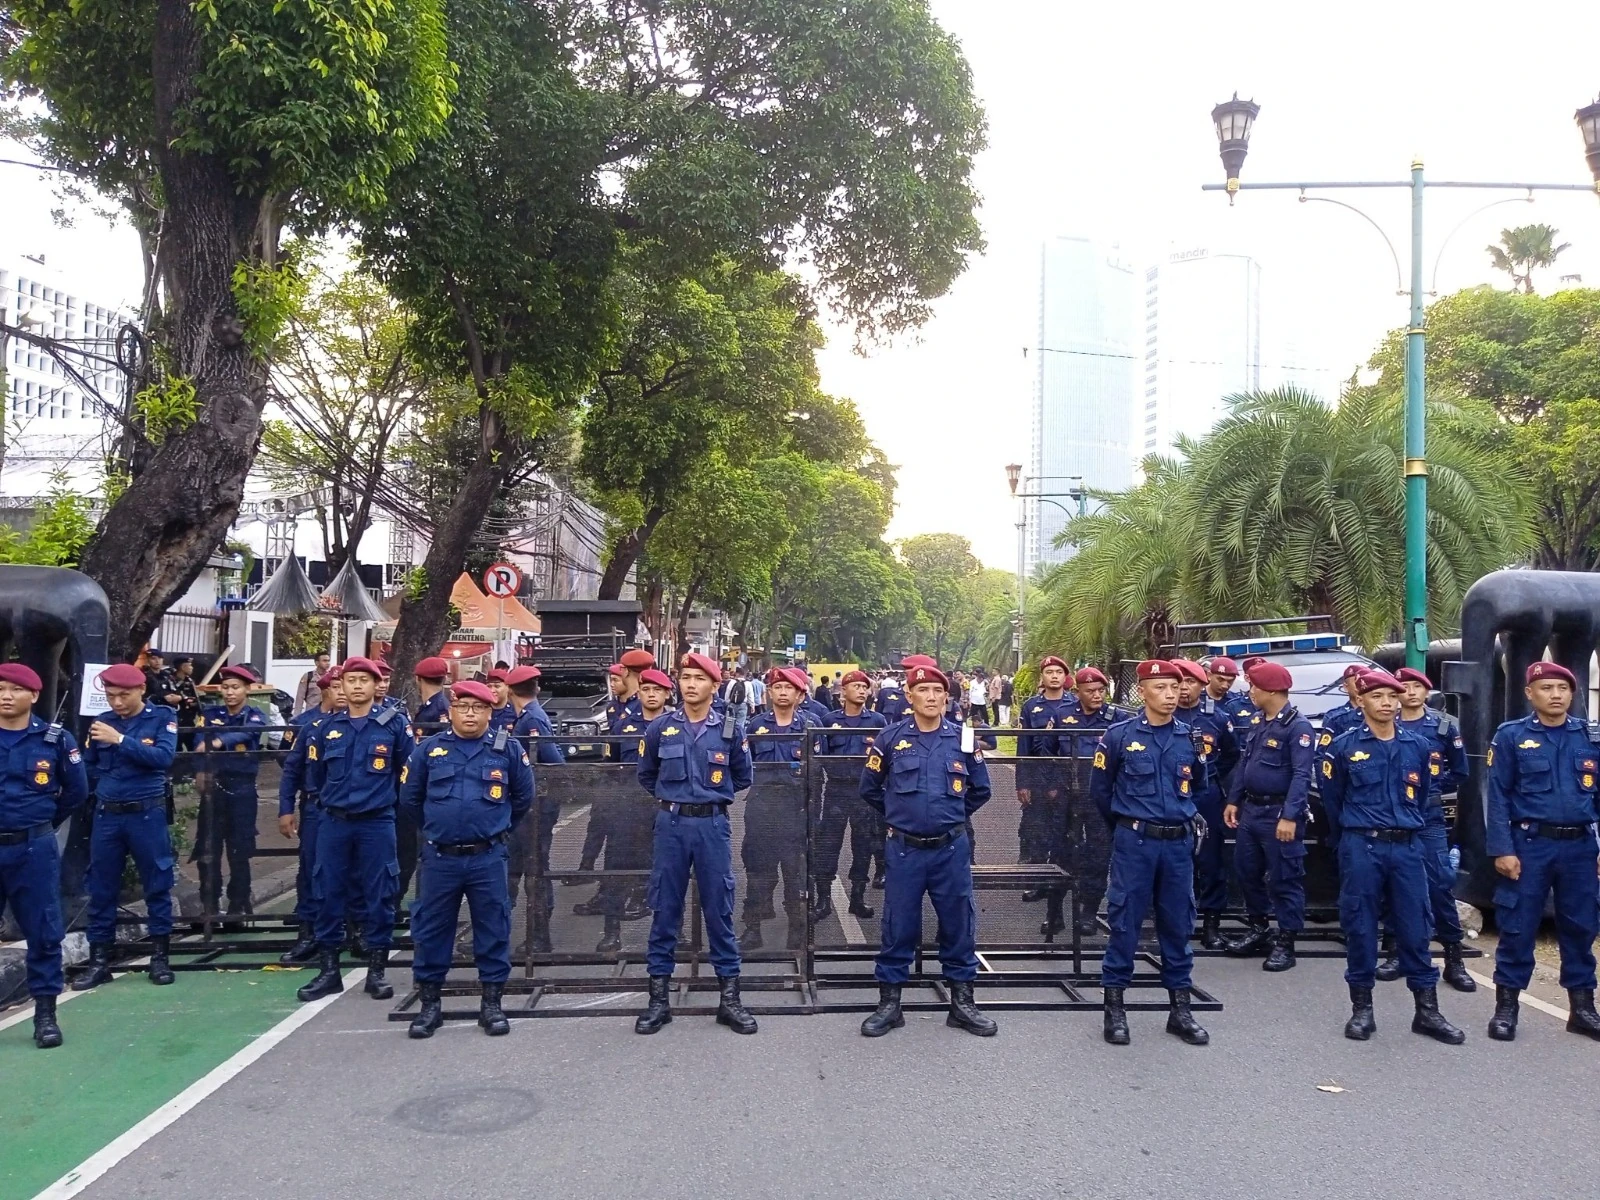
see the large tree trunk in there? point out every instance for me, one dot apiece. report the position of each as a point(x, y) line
point(424, 623)
point(626, 553)
point(157, 536)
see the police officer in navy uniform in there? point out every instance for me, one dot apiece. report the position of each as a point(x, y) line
point(353, 765)
point(775, 811)
point(1443, 735)
point(1268, 801)
point(630, 845)
point(42, 785)
point(1219, 752)
point(891, 703)
point(1347, 714)
point(1221, 672)
point(1090, 845)
point(693, 765)
point(1143, 783)
point(466, 789)
point(1543, 772)
point(1042, 782)
point(227, 825)
point(531, 840)
point(927, 788)
point(1374, 789)
point(847, 733)
point(300, 814)
point(130, 751)
point(433, 696)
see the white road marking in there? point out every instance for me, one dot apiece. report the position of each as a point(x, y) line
point(98, 1163)
point(1543, 1006)
point(841, 905)
point(582, 811)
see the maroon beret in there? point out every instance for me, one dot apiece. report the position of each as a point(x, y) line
point(1354, 670)
point(497, 675)
point(1550, 670)
point(241, 673)
point(1190, 668)
point(330, 676)
point(1091, 675)
point(27, 677)
point(520, 675)
point(1251, 661)
point(918, 660)
point(1157, 668)
point(637, 660)
point(118, 675)
point(926, 674)
point(1371, 681)
point(432, 668)
point(616, 669)
point(702, 663)
point(659, 678)
point(1269, 676)
point(365, 666)
point(384, 669)
point(797, 677)
point(1412, 675)
point(1051, 660)
point(471, 689)
point(855, 677)
point(1223, 665)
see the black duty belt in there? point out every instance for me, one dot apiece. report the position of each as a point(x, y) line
point(463, 849)
point(1559, 833)
point(130, 806)
point(1264, 798)
point(345, 814)
point(1386, 835)
point(928, 843)
point(1159, 830)
point(16, 837)
point(690, 810)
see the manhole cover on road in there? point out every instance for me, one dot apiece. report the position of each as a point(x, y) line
point(475, 1110)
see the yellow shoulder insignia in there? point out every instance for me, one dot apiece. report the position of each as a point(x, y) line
point(405, 772)
point(1327, 739)
point(311, 752)
point(1327, 768)
point(1100, 760)
point(1491, 757)
point(874, 762)
point(1530, 744)
point(902, 744)
point(1134, 746)
point(1360, 756)
point(438, 752)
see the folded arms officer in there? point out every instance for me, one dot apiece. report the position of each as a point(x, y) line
point(232, 731)
point(43, 784)
point(849, 730)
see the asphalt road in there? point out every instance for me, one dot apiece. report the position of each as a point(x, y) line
point(582, 1107)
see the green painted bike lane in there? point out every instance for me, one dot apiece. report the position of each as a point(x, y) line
point(129, 1049)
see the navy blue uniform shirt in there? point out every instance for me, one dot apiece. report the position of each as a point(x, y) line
point(1041, 712)
point(533, 724)
point(1443, 735)
point(1539, 772)
point(1276, 758)
point(924, 784)
point(771, 742)
point(1219, 747)
point(460, 789)
point(1145, 772)
point(233, 739)
point(892, 703)
point(44, 780)
point(292, 781)
point(850, 743)
point(1368, 783)
point(685, 765)
point(435, 710)
point(135, 768)
point(353, 763)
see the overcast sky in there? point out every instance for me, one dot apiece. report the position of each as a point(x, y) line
point(1099, 125)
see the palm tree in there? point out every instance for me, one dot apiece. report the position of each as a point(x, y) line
point(1524, 248)
point(1303, 506)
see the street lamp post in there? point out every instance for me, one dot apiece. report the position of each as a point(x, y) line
point(1014, 477)
point(1235, 120)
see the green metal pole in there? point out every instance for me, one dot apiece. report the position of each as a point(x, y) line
point(1416, 623)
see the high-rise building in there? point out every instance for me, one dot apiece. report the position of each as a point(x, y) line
point(1202, 326)
point(1084, 385)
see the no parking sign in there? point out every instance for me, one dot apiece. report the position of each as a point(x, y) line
point(502, 580)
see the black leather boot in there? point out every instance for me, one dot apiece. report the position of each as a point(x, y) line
point(431, 1015)
point(98, 968)
point(1503, 1025)
point(1181, 1022)
point(1211, 931)
point(303, 951)
point(750, 939)
point(611, 939)
point(1257, 938)
point(594, 906)
point(377, 985)
point(1361, 1024)
point(964, 1014)
point(1389, 964)
point(328, 981)
point(491, 1017)
point(160, 969)
point(634, 908)
point(1582, 1017)
point(887, 1016)
point(858, 902)
point(1034, 895)
point(730, 1011)
point(822, 899)
point(877, 879)
point(1054, 920)
point(660, 1011)
point(358, 948)
point(1281, 956)
point(46, 1033)
point(1116, 1018)
point(1088, 925)
point(1455, 969)
point(1430, 1022)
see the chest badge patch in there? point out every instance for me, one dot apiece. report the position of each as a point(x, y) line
point(1360, 756)
point(1530, 744)
point(669, 731)
point(438, 752)
point(716, 777)
point(334, 733)
point(1135, 746)
point(496, 791)
point(41, 777)
point(379, 763)
point(1273, 743)
point(902, 744)
point(955, 785)
point(761, 729)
